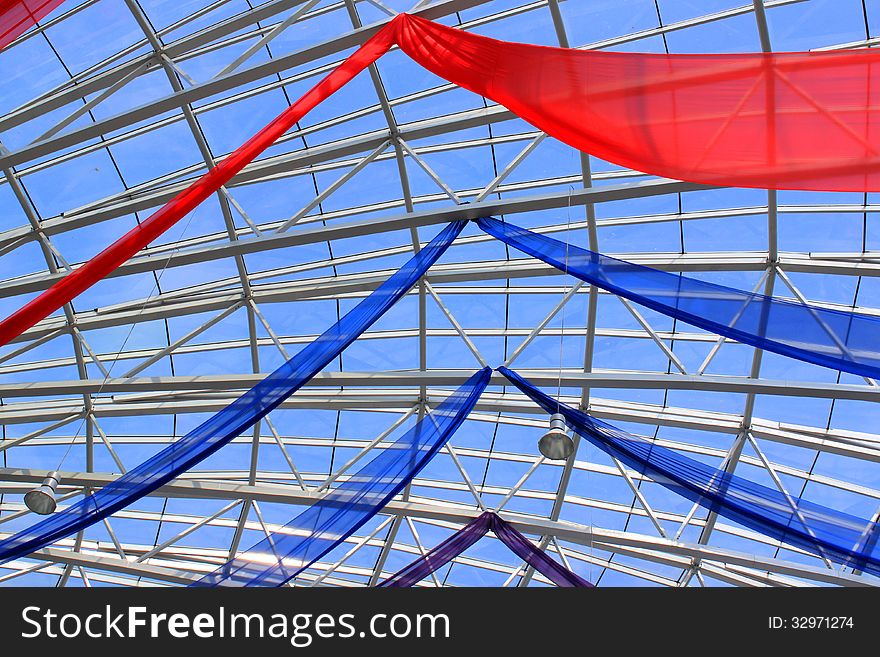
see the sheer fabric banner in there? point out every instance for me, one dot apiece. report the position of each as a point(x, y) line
point(241, 414)
point(470, 534)
point(83, 277)
point(837, 536)
point(18, 16)
point(837, 339)
point(328, 522)
point(785, 120)
point(807, 120)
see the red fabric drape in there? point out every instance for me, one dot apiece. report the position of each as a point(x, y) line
point(16, 16)
point(780, 121)
point(786, 121)
point(138, 237)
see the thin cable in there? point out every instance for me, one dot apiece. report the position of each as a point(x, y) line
point(564, 293)
point(116, 357)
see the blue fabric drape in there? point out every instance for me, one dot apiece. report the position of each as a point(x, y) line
point(823, 531)
point(241, 414)
point(329, 521)
point(470, 534)
point(840, 340)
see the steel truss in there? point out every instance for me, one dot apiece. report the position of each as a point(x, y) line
point(656, 545)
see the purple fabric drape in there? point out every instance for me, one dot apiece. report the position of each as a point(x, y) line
point(470, 534)
point(536, 558)
point(440, 555)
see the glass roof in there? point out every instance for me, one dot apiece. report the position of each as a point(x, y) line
point(109, 107)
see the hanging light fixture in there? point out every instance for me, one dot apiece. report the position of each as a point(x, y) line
point(556, 444)
point(41, 499)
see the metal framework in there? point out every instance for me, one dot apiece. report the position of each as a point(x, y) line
point(300, 234)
